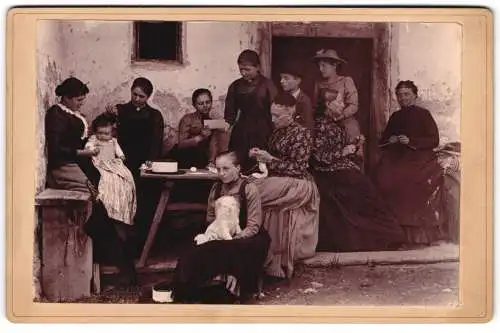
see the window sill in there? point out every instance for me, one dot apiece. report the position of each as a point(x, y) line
point(158, 64)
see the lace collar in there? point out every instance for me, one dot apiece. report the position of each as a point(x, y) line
point(78, 115)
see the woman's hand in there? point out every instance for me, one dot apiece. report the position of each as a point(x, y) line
point(88, 152)
point(205, 132)
point(393, 139)
point(260, 155)
point(265, 157)
point(253, 152)
point(335, 110)
point(404, 139)
point(349, 149)
point(211, 164)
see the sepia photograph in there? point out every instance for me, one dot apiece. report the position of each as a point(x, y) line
point(253, 162)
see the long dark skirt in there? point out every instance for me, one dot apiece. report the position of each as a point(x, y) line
point(148, 195)
point(410, 184)
point(110, 238)
point(353, 216)
point(111, 242)
point(241, 258)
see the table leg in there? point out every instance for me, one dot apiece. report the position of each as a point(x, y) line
point(160, 209)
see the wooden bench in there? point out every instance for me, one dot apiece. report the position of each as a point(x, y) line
point(68, 271)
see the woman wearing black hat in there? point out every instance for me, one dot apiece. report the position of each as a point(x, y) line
point(247, 109)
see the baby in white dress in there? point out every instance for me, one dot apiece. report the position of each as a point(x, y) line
point(116, 185)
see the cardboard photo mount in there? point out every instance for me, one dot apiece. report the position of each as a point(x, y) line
point(476, 131)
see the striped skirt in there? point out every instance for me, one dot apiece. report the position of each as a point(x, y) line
point(117, 190)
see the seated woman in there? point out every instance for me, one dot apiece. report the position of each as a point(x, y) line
point(197, 145)
point(352, 214)
point(66, 131)
point(241, 257)
point(408, 174)
point(70, 168)
point(290, 198)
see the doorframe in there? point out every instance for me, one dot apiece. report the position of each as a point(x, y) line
point(379, 32)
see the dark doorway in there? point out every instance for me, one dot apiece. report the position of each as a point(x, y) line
point(356, 51)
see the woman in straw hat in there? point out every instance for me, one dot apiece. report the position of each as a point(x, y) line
point(338, 94)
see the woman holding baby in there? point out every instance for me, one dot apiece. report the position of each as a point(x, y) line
point(70, 154)
point(241, 257)
point(66, 131)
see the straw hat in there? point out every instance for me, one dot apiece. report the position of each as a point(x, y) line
point(328, 55)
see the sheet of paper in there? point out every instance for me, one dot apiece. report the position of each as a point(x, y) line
point(215, 123)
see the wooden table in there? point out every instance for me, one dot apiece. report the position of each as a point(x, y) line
point(168, 181)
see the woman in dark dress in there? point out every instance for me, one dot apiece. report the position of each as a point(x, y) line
point(242, 257)
point(70, 168)
point(197, 147)
point(140, 135)
point(140, 127)
point(408, 174)
point(247, 109)
point(66, 131)
point(353, 216)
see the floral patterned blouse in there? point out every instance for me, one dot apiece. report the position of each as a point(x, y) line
point(292, 145)
point(329, 142)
